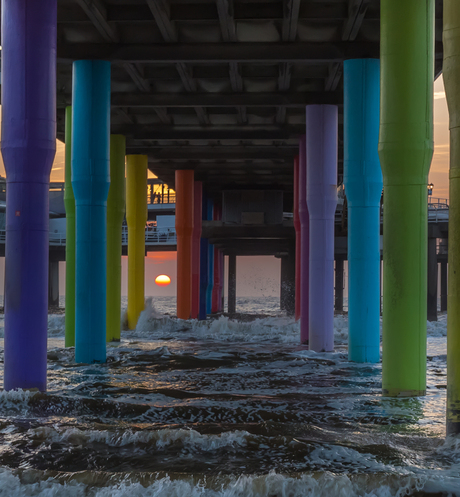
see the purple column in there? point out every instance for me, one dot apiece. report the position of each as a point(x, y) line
point(322, 201)
point(305, 241)
point(28, 149)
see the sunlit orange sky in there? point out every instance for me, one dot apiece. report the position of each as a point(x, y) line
point(260, 276)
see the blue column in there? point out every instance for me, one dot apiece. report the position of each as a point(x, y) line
point(363, 187)
point(210, 210)
point(204, 249)
point(28, 148)
point(90, 181)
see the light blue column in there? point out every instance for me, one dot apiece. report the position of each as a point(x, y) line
point(363, 188)
point(90, 182)
point(209, 215)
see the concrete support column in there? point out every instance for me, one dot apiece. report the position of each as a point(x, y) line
point(322, 129)
point(232, 284)
point(116, 201)
point(287, 290)
point(69, 203)
point(90, 182)
point(451, 75)
point(222, 279)
point(53, 283)
point(363, 187)
point(338, 285)
point(443, 286)
point(197, 201)
point(282, 283)
point(204, 248)
point(217, 282)
point(406, 149)
point(185, 186)
point(432, 297)
point(136, 217)
point(217, 288)
point(209, 216)
point(304, 218)
point(28, 147)
point(298, 245)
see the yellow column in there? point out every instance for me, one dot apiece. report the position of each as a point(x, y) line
point(136, 217)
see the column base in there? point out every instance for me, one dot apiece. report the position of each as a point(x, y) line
point(396, 392)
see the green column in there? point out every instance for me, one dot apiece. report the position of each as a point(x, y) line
point(115, 214)
point(406, 149)
point(69, 203)
point(451, 74)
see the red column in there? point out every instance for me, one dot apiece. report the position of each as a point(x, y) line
point(197, 200)
point(184, 230)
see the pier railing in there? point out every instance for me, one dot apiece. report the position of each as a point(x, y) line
point(153, 236)
point(438, 209)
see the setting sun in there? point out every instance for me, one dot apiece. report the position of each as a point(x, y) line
point(162, 280)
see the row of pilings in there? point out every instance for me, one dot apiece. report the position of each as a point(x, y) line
point(405, 147)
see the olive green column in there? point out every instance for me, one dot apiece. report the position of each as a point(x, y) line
point(406, 149)
point(69, 203)
point(115, 213)
point(136, 217)
point(451, 74)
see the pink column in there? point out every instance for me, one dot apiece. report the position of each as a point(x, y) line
point(196, 237)
point(298, 244)
point(305, 242)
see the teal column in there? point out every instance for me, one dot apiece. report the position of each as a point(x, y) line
point(406, 149)
point(90, 181)
point(69, 203)
point(363, 188)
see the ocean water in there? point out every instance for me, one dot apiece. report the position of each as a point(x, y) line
point(225, 408)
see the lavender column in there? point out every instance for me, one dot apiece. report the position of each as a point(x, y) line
point(28, 148)
point(305, 241)
point(322, 202)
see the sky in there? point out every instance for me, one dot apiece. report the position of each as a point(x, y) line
point(439, 172)
point(260, 276)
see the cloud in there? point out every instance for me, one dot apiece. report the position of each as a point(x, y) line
point(160, 257)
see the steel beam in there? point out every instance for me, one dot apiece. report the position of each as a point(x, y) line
point(300, 53)
point(216, 153)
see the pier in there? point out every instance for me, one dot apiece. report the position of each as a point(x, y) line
point(223, 101)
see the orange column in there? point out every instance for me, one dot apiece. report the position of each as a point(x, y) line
point(184, 231)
